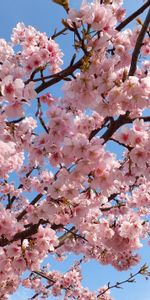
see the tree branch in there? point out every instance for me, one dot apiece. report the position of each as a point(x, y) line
point(15, 121)
point(27, 233)
point(114, 126)
point(133, 16)
point(138, 45)
point(143, 270)
point(56, 34)
point(59, 76)
point(34, 201)
point(66, 236)
point(9, 205)
point(33, 229)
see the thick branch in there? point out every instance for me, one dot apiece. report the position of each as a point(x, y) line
point(133, 16)
point(114, 126)
point(138, 45)
point(145, 119)
point(33, 229)
point(97, 130)
point(27, 233)
point(59, 76)
point(33, 202)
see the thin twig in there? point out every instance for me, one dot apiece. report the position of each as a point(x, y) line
point(9, 205)
point(143, 270)
point(56, 34)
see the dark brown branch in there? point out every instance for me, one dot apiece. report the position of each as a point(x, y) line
point(133, 16)
point(33, 202)
point(33, 74)
point(52, 76)
point(59, 76)
point(114, 126)
point(39, 114)
point(39, 273)
point(15, 121)
point(43, 124)
point(33, 229)
point(119, 205)
point(27, 233)
point(50, 279)
point(42, 274)
point(145, 119)
point(97, 130)
point(37, 294)
point(121, 144)
point(75, 234)
point(138, 45)
point(81, 40)
point(73, 59)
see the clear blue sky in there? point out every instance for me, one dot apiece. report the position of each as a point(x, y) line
point(46, 16)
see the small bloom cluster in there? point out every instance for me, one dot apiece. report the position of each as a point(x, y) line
point(100, 17)
point(8, 224)
point(11, 159)
point(103, 89)
point(37, 49)
point(68, 284)
point(37, 53)
point(16, 259)
point(137, 139)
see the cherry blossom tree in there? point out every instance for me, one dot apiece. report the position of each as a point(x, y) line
point(71, 194)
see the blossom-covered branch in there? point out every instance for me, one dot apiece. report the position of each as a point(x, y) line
point(74, 169)
point(139, 44)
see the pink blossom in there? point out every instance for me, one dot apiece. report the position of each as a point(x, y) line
point(29, 91)
point(11, 89)
point(75, 169)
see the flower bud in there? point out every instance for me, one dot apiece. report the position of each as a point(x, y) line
point(64, 3)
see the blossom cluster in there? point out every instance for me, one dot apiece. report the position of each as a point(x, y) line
point(64, 188)
point(17, 70)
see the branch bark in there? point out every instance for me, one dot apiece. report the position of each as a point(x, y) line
point(114, 126)
point(27, 233)
point(59, 76)
point(133, 16)
point(138, 45)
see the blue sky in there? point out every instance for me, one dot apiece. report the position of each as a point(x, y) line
point(46, 16)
